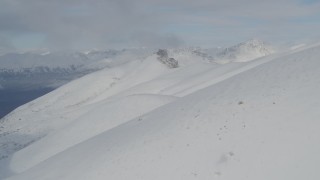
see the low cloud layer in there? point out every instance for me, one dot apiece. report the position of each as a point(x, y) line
point(80, 24)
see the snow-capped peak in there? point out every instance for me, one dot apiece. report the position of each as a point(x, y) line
point(245, 51)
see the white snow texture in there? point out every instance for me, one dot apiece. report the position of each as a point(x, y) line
point(140, 120)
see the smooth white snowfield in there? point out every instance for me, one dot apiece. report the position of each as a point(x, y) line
point(257, 120)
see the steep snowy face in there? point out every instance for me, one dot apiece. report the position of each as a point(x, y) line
point(250, 120)
point(261, 123)
point(245, 51)
point(69, 99)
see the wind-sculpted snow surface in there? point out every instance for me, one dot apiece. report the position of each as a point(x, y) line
point(143, 120)
point(72, 101)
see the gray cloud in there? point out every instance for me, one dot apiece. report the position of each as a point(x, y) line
point(111, 23)
point(150, 39)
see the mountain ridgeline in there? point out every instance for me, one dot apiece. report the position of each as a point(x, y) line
point(193, 118)
point(32, 70)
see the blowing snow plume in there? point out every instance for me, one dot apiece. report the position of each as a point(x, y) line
point(244, 52)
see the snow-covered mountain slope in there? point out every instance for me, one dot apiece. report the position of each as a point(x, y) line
point(77, 98)
point(143, 120)
point(245, 51)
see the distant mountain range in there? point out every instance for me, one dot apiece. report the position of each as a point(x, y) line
point(37, 69)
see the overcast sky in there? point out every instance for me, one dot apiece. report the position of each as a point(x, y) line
point(82, 24)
